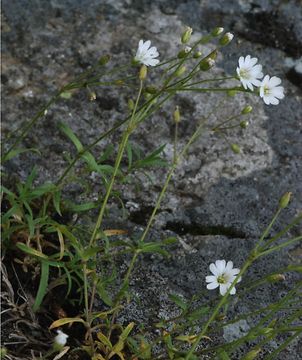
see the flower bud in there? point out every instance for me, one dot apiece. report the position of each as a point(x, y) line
point(60, 340)
point(197, 54)
point(184, 52)
point(143, 72)
point(226, 39)
point(186, 36)
point(92, 96)
point(206, 64)
point(276, 278)
point(119, 82)
point(285, 200)
point(246, 110)
point(180, 71)
point(130, 104)
point(232, 92)
point(217, 31)
point(244, 124)
point(213, 55)
point(176, 115)
point(235, 148)
point(104, 60)
point(151, 90)
point(251, 355)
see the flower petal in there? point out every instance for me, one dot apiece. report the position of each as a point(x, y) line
point(229, 266)
point(212, 285)
point(214, 269)
point(223, 289)
point(211, 278)
point(233, 291)
point(220, 264)
point(274, 81)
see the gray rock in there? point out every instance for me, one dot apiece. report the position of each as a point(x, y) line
point(218, 202)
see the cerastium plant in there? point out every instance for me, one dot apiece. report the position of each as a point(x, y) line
point(83, 256)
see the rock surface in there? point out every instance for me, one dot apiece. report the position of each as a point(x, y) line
point(223, 200)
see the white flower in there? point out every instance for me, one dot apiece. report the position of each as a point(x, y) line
point(249, 73)
point(270, 91)
point(146, 54)
point(61, 338)
point(223, 276)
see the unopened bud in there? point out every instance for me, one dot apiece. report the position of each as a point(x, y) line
point(176, 115)
point(232, 92)
point(184, 52)
point(119, 82)
point(180, 71)
point(226, 39)
point(186, 36)
point(246, 110)
point(130, 104)
point(151, 90)
point(206, 64)
point(104, 59)
point(251, 355)
point(276, 278)
point(197, 54)
point(143, 72)
point(60, 340)
point(235, 148)
point(213, 55)
point(217, 31)
point(92, 96)
point(285, 200)
point(244, 124)
point(220, 317)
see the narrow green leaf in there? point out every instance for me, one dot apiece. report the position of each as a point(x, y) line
point(31, 251)
point(104, 340)
point(198, 313)
point(90, 252)
point(65, 321)
point(13, 153)
point(81, 207)
point(71, 135)
point(42, 286)
point(29, 181)
point(31, 225)
point(57, 202)
point(108, 151)
point(127, 331)
point(223, 355)
point(43, 189)
point(178, 301)
point(103, 294)
point(153, 248)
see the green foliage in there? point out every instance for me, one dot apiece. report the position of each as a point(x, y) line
point(51, 234)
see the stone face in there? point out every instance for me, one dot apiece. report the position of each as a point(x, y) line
point(218, 202)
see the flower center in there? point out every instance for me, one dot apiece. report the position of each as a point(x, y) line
point(245, 73)
point(266, 90)
point(221, 279)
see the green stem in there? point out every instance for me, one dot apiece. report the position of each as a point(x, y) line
point(283, 231)
point(283, 346)
point(267, 230)
point(116, 168)
point(286, 243)
point(234, 117)
point(212, 80)
point(209, 89)
point(31, 123)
